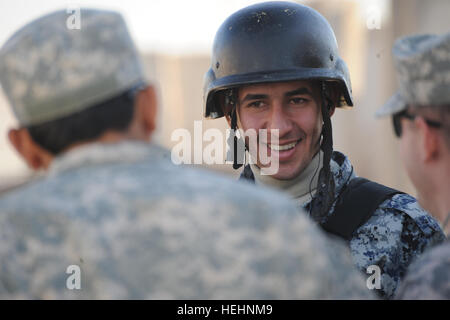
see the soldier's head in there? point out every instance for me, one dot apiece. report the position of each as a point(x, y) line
point(69, 87)
point(420, 110)
point(276, 66)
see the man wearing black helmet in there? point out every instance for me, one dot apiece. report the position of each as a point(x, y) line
point(275, 66)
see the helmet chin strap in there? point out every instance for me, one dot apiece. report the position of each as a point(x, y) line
point(324, 197)
point(234, 143)
point(236, 163)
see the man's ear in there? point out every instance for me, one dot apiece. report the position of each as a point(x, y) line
point(16, 140)
point(428, 140)
point(34, 155)
point(147, 105)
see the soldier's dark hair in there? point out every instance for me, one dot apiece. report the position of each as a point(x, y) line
point(57, 135)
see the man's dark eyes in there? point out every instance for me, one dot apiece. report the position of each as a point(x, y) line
point(255, 104)
point(259, 104)
point(298, 100)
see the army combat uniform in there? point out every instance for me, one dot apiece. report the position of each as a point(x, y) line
point(429, 276)
point(140, 227)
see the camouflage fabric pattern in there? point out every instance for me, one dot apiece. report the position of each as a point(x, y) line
point(48, 70)
point(429, 276)
point(140, 227)
point(398, 231)
point(423, 71)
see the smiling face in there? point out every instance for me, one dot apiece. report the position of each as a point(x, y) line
point(294, 109)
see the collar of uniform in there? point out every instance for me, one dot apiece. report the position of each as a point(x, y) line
point(341, 168)
point(299, 187)
point(105, 153)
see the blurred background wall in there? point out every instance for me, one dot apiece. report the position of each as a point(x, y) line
point(175, 38)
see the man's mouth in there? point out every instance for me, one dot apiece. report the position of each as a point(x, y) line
point(283, 147)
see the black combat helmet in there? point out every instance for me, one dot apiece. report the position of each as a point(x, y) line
point(272, 42)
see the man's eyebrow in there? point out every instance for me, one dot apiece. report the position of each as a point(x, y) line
point(251, 96)
point(295, 92)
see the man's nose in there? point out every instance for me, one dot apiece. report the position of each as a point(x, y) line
point(279, 120)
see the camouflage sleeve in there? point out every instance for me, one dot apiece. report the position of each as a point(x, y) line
point(398, 231)
point(428, 277)
point(39, 249)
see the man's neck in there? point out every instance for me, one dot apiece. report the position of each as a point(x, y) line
point(302, 187)
point(111, 137)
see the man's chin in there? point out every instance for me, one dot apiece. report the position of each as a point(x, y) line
point(285, 174)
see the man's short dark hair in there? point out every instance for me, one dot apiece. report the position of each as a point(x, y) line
point(57, 135)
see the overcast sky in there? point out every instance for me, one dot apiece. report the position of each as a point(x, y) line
point(176, 26)
point(170, 26)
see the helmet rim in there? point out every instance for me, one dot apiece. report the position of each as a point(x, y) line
point(238, 80)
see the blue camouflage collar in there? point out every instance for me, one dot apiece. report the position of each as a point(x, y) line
point(343, 172)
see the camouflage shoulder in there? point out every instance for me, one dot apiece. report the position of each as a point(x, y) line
point(409, 206)
point(398, 231)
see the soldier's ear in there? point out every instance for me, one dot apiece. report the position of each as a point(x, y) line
point(428, 140)
point(15, 140)
point(34, 155)
point(147, 105)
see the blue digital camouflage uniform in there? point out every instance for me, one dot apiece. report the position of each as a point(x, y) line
point(140, 227)
point(397, 232)
point(429, 276)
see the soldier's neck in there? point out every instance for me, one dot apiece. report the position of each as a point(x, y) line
point(112, 137)
point(301, 187)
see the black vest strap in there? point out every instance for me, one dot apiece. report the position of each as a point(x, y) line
point(355, 206)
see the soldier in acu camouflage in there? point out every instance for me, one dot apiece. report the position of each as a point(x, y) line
point(276, 66)
point(114, 207)
point(420, 113)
